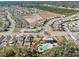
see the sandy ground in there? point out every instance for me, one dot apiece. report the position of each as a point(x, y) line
point(46, 14)
point(34, 18)
point(60, 38)
point(38, 16)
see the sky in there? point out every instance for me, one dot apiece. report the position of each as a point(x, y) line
point(39, 0)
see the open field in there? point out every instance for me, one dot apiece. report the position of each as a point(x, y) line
point(46, 14)
point(34, 18)
point(56, 10)
point(60, 38)
point(1, 23)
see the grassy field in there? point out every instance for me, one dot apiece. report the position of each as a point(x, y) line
point(57, 10)
point(1, 23)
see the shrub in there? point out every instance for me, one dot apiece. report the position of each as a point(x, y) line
point(65, 48)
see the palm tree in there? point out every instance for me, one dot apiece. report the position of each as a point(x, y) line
point(64, 49)
point(30, 38)
point(23, 40)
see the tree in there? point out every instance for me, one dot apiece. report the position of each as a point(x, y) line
point(30, 38)
point(15, 51)
point(21, 52)
point(64, 48)
point(7, 52)
point(23, 40)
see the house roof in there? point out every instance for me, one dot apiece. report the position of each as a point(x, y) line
point(46, 37)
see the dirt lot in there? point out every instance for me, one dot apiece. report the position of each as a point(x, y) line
point(46, 14)
point(60, 38)
point(38, 16)
point(31, 20)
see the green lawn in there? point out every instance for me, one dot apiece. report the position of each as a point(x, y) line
point(1, 23)
point(57, 10)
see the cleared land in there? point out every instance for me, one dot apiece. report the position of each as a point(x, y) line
point(46, 14)
point(32, 18)
point(38, 16)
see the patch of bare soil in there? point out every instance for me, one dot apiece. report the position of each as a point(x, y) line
point(32, 19)
point(46, 14)
point(38, 16)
